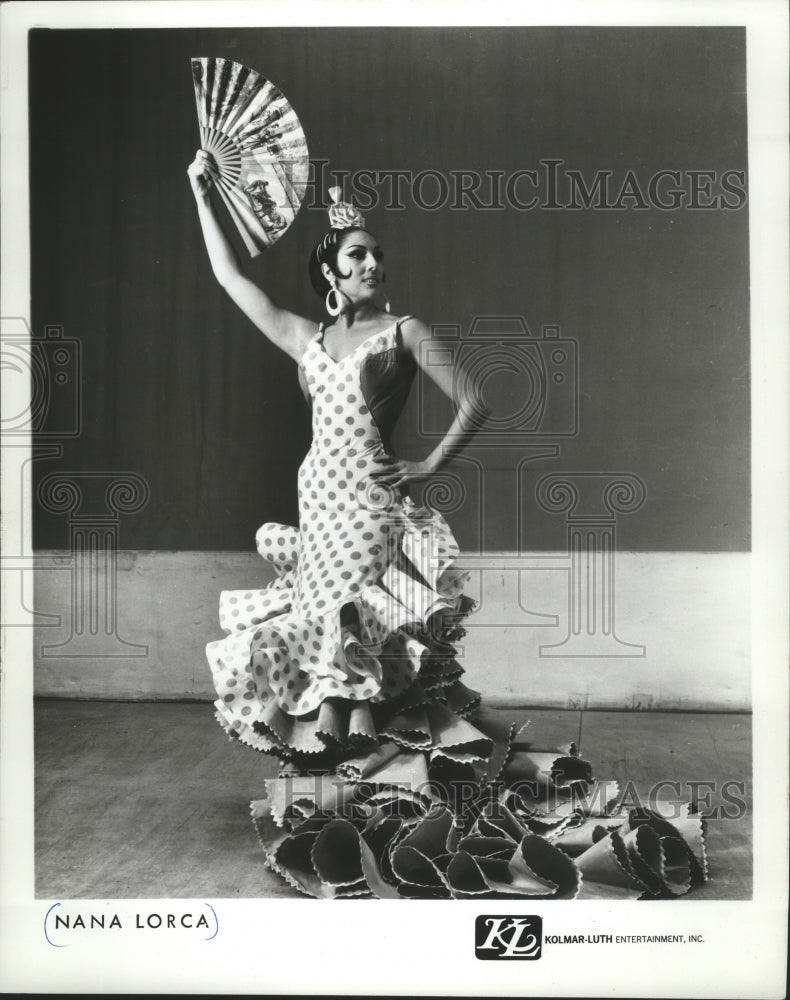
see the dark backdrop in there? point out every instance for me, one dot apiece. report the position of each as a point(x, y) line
point(180, 389)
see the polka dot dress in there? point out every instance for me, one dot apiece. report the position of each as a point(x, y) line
point(346, 616)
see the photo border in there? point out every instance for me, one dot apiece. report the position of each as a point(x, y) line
point(392, 950)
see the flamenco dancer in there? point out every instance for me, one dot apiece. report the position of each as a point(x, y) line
point(394, 781)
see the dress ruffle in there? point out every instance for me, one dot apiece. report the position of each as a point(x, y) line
point(387, 651)
point(519, 823)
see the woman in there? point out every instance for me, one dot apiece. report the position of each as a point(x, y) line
point(344, 667)
point(326, 661)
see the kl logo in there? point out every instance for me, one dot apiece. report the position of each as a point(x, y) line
point(508, 937)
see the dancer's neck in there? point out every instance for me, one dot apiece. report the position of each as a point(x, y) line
point(353, 317)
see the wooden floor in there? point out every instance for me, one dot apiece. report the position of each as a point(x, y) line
point(141, 800)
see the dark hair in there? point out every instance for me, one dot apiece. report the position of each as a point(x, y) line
point(326, 252)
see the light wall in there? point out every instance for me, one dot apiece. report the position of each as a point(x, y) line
point(690, 612)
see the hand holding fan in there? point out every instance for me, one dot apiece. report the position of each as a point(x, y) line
point(258, 145)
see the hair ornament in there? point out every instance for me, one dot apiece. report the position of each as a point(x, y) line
point(342, 214)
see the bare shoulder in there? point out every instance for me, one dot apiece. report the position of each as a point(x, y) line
point(414, 332)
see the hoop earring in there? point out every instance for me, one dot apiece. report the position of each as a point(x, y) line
point(386, 302)
point(334, 309)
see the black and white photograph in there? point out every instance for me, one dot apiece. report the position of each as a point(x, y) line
point(394, 446)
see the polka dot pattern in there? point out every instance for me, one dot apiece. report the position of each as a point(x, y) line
point(355, 583)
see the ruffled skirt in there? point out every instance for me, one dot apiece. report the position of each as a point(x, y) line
point(316, 674)
point(523, 823)
point(394, 782)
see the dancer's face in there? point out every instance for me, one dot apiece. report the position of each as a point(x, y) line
point(360, 259)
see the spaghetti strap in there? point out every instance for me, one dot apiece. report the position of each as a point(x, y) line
point(316, 338)
point(398, 333)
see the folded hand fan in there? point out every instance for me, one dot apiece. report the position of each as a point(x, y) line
point(259, 147)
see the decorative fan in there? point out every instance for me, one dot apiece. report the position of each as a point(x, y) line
point(259, 147)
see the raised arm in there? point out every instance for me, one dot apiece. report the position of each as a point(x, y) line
point(285, 329)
